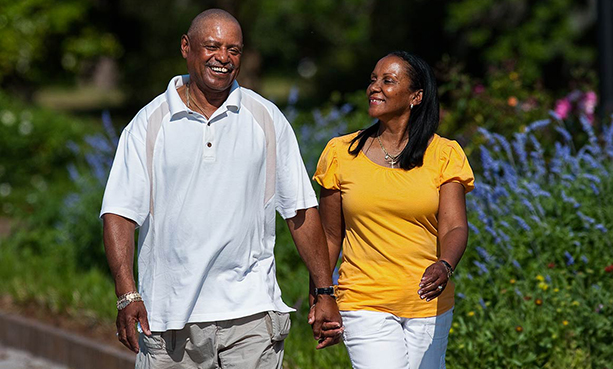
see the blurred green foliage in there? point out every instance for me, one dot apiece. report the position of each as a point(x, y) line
point(328, 46)
point(34, 155)
point(533, 35)
point(42, 38)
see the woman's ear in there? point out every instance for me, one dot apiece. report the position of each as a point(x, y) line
point(417, 96)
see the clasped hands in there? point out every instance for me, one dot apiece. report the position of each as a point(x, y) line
point(326, 321)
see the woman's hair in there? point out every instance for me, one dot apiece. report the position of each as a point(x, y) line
point(424, 117)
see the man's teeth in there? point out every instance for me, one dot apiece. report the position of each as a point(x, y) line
point(220, 69)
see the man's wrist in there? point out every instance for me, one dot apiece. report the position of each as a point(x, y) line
point(127, 298)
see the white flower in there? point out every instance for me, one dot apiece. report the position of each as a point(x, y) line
point(25, 127)
point(5, 189)
point(7, 117)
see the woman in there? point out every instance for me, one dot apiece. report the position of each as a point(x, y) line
point(393, 198)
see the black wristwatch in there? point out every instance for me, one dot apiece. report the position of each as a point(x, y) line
point(324, 291)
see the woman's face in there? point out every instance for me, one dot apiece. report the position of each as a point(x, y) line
point(389, 94)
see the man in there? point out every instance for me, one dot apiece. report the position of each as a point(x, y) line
point(201, 170)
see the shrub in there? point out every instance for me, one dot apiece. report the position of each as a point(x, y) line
point(534, 288)
point(34, 155)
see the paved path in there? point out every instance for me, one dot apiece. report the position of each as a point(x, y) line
point(15, 359)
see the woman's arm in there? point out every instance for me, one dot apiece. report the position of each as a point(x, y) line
point(452, 235)
point(331, 215)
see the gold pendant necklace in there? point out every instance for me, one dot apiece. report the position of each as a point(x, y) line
point(187, 93)
point(391, 159)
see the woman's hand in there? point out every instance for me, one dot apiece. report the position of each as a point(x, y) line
point(331, 331)
point(433, 282)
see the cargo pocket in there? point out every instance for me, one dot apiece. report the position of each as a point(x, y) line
point(152, 344)
point(279, 325)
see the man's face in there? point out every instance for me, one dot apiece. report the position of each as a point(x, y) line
point(213, 55)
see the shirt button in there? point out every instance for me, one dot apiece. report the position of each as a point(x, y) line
point(208, 144)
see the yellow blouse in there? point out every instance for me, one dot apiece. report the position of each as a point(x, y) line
point(391, 225)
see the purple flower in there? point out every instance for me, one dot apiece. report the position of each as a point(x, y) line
point(503, 236)
point(504, 224)
point(73, 147)
point(73, 172)
point(482, 303)
point(292, 98)
point(565, 134)
point(601, 228)
point(538, 125)
point(483, 253)
point(522, 223)
point(585, 218)
point(569, 258)
point(108, 127)
point(482, 268)
point(472, 228)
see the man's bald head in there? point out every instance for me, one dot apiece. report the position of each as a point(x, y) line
point(206, 16)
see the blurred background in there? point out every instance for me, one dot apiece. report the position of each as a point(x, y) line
point(525, 86)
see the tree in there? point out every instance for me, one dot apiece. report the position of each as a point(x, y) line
point(42, 40)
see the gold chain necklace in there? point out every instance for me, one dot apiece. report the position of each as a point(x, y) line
point(188, 101)
point(391, 159)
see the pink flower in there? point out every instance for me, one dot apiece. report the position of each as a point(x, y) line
point(563, 107)
point(588, 103)
point(479, 89)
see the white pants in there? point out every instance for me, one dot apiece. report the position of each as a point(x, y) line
point(376, 340)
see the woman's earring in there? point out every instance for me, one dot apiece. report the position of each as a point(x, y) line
point(411, 106)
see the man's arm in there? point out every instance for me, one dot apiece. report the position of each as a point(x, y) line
point(119, 248)
point(310, 241)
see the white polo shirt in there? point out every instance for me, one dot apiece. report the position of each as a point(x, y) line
point(204, 193)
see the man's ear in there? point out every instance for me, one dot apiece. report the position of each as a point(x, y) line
point(184, 46)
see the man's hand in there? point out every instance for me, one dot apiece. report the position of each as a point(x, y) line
point(127, 318)
point(326, 321)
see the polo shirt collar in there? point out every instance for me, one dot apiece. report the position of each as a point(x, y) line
point(176, 105)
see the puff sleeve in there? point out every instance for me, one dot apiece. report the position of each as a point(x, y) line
point(455, 167)
point(326, 173)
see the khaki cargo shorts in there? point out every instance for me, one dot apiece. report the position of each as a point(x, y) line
point(253, 342)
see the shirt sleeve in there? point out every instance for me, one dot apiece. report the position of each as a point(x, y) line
point(293, 188)
point(326, 173)
point(127, 190)
point(455, 167)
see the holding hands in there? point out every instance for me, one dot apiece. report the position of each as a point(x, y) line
point(325, 320)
